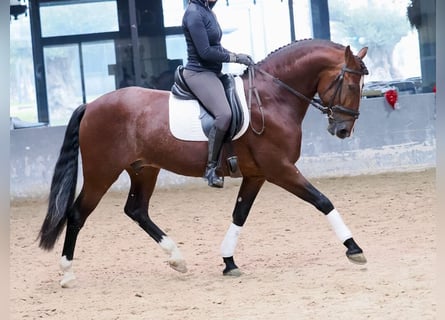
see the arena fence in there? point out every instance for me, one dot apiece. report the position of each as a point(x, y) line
point(385, 140)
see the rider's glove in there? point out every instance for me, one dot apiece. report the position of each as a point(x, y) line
point(241, 58)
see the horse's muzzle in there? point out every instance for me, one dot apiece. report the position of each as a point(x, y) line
point(340, 130)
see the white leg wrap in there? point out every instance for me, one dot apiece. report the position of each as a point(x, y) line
point(65, 264)
point(176, 260)
point(169, 246)
point(68, 274)
point(341, 230)
point(230, 241)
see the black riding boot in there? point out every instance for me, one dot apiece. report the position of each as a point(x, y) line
point(216, 139)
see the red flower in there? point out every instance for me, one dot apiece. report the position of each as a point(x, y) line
point(391, 96)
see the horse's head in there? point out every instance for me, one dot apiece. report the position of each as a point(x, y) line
point(340, 90)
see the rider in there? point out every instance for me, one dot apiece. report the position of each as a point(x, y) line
point(205, 56)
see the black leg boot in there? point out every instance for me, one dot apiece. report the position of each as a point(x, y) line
point(216, 139)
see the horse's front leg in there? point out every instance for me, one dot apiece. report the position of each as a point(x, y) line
point(246, 196)
point(293, 181)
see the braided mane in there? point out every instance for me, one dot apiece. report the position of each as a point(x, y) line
point(284, 47)
point(280, 49)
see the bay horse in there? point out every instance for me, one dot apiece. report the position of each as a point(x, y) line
point(128, 129)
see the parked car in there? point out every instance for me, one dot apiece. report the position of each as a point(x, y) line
point(375, 89)
point(417, 82)
point(404, 87)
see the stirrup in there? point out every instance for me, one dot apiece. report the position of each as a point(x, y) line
point(232, 164)
point(213, 179)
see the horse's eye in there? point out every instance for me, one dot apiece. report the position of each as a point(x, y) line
point(353, 87)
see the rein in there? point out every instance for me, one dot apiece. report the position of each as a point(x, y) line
point(317, 103)
point(253, 89)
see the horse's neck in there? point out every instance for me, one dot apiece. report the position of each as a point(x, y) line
point(302, 71)
point(301, 74)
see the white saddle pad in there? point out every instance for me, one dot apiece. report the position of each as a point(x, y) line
point(185, 123)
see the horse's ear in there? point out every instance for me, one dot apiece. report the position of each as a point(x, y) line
point(362, 53)
point(349, 57)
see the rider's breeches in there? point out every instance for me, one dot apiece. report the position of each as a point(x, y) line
point(209, 89)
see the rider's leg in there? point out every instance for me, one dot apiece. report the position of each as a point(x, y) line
point(216, 139)
point(210, 91)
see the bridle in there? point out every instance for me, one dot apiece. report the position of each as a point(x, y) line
point(330, 110)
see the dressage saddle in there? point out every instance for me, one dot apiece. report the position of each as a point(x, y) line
point(181, 90)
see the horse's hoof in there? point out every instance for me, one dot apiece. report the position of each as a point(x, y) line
point(178, 265)
point(68, 280)
point(232, 273)
point(357, 258)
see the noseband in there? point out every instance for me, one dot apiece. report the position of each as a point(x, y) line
point(331, 109)
point(317, 103)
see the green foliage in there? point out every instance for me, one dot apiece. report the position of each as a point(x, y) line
point(414, 13)
point(376, 24)
point(379, 26)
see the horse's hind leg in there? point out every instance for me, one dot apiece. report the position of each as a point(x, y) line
point(85, 203)
point(248, 191)
point(143, 183)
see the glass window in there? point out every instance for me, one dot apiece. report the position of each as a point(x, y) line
point(303, 19)
point(253, 29)
point(59, 19)
point(173, 11)
point(176, 48)
point(248, 28)
point(65, 75)
point(99, 61)
point(385, 29)
point(393, 57)
point(63, 81)
point(22, 86)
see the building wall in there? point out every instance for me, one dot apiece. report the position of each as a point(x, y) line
point(384, 140)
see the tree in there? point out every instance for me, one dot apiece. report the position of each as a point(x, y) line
point(380, 27)
point(413, 13)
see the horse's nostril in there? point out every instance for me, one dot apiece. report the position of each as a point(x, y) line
point(343, 133)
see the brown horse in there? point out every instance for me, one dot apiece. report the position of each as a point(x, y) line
point(128, 129)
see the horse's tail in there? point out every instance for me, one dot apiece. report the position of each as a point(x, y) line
point(63, 184)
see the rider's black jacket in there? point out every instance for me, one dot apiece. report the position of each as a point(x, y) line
point(203, 37)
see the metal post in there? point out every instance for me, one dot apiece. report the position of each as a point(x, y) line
point(135, 42)
point(291, 20)
point(39, 65)
point(320, 19)
point(82, 73)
